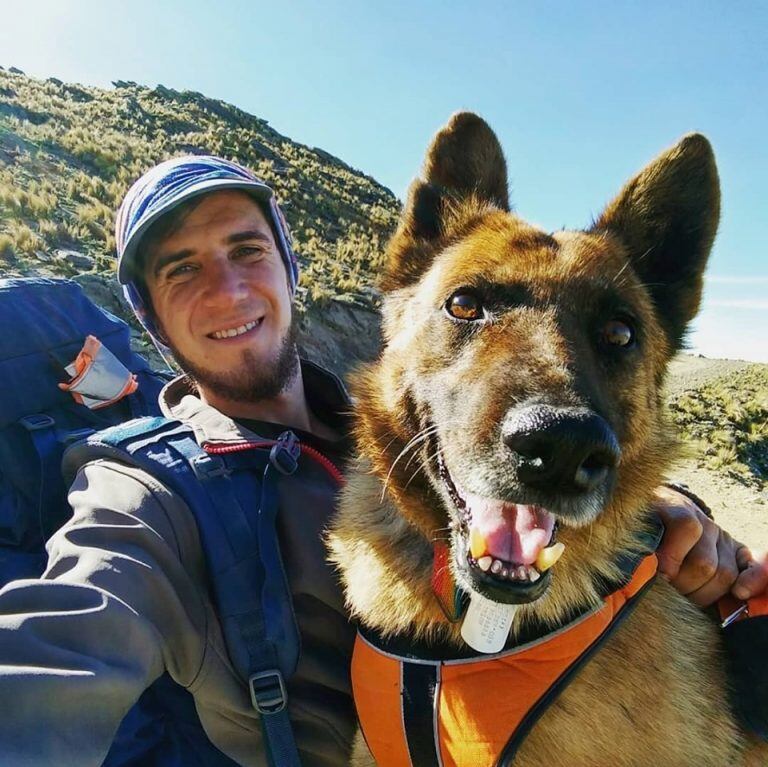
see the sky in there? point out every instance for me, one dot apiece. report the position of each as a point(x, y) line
point(581, 95)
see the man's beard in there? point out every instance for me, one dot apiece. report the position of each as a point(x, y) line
point(255, 379)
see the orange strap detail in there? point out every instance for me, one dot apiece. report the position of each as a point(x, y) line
point(98, 378)
point(443, 585)
point(376, 685)
point(732, 609)
point(83, 361)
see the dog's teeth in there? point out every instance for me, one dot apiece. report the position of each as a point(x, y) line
point(522, 573)
point(496, 567)
point(477, 544)
point(533, 574)
point(547, 557)
point(504, 572)
point(484, 563)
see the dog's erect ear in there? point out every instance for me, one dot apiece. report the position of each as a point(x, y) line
point(465, 159)
point(464, 162)
point(667, 217)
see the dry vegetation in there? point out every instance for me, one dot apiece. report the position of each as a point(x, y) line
point(68, 153)
point(725, 425)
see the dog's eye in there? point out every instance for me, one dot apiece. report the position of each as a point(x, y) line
point(464, 306)
point(618, 333)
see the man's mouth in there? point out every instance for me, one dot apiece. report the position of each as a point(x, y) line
point(235, 331)
point(505, 549)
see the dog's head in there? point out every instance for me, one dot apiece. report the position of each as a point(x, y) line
point(517, 400)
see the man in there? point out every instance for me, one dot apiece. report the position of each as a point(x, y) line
point(205, 258)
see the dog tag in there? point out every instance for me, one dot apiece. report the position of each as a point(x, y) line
point(486, 624)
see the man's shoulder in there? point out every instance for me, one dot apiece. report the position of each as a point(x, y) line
point(137, 442)
point(108, 492)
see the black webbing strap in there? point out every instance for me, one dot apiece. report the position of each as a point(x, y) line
point(420, 682)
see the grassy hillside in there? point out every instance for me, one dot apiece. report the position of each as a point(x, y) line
point(68, 153)
point(725, 425)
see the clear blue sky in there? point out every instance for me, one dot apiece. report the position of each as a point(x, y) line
point(581, 95)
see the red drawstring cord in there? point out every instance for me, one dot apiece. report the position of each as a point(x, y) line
point(310, 452)
point(325, 462)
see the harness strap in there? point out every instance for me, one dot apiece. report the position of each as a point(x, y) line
point(420, 684)
point(631, 596)
point(434, 712)
point(745, 636)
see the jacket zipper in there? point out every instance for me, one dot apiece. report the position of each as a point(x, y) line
point(310, 452)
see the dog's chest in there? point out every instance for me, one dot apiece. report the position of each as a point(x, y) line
point(631, 704)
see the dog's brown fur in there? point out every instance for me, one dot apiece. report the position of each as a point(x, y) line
point(655, 693)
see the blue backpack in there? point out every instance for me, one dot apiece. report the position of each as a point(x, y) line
point(45, 324)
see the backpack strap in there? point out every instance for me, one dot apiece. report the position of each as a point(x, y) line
point(241, 546)
point(42, 433)
point(49, 442)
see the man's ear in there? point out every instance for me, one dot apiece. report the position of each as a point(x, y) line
point(667, 218)
point(464, 166)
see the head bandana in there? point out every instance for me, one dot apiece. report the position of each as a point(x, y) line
point(169, 184)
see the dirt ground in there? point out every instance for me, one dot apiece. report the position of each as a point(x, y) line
point(741, 510)
point(689, 371)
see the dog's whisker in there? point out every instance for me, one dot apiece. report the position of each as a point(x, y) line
point(651, 285)
point(389, 444)
point(618, 274)
point(423, 465)
point(410, 445)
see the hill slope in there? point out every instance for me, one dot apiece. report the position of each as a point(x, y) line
point(721, 410)
point(68, 153)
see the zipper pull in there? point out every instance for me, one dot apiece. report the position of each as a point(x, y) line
point(284, 455)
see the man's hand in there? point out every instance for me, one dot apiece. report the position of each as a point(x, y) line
point(699, 559)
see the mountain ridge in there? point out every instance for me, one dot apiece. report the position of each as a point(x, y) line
point(69, 152)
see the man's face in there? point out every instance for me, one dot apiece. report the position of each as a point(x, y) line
point(220, 294)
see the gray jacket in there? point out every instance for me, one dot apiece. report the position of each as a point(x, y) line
point(124, 598)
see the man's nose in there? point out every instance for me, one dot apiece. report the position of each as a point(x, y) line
point(224, 284)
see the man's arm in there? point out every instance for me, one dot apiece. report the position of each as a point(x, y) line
point(700, 559)
point(114, 609)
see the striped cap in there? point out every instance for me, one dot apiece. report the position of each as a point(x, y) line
point(166, 186)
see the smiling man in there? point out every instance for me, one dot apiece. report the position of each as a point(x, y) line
point(236, 341)
point(129, 600)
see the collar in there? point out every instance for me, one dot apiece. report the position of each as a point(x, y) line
point(325, 393)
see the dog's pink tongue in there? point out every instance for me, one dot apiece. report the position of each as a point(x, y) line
point(511, 532)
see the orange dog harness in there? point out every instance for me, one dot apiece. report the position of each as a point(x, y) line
point(420, 711)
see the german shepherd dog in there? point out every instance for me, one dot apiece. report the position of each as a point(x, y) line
point(516, 409)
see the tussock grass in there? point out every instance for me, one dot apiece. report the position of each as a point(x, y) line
point(69, 153)
point(725, 423)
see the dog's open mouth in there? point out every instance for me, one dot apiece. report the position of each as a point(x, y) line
point(505, 549)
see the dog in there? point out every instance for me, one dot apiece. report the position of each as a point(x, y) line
point(511, 435)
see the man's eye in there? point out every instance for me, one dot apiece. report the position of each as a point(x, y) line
point(181, 270)
point(247, 251)
point(465, 306)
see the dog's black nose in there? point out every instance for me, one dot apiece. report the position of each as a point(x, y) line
point(561, 449)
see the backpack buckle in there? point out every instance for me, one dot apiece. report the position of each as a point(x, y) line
point(268, 693)
point(284, 455)
point(208, 466)
point(37, 422)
